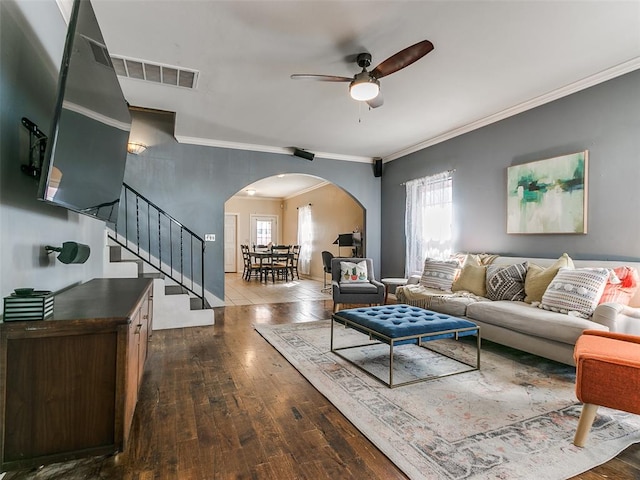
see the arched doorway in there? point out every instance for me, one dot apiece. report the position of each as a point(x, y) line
point(334, 212)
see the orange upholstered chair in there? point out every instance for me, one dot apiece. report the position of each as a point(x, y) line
point(607, 374)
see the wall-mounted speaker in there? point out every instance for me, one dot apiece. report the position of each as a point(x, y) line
point(303, 154)
point(377, 167)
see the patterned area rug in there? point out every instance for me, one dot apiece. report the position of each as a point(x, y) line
point(513, 419)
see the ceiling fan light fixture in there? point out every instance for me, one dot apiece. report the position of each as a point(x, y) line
point(364, 88)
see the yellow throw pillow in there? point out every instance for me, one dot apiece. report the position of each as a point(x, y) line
point(472, 279)
point(538, 278)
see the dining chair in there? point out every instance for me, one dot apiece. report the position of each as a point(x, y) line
point(251, 268)
point(280, 261)
point(294, 261)
point(326, 266)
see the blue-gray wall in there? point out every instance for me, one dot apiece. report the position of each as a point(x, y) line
point(193, 182)
point(604, 119)
point(31, 41)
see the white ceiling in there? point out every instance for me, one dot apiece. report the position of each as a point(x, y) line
point(282, 186)
point(491, 59)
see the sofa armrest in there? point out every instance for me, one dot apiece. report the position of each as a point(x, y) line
point(413, 280)
point(379, 285)
point(618, 318)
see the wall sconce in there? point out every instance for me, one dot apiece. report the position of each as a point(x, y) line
point(135, 148)
point(71, 252)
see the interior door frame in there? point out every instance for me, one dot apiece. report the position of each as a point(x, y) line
point(235, 245)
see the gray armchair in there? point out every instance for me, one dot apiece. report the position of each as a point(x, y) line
point(370, 292)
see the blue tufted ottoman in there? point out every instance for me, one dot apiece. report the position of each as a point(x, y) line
point(402, 324)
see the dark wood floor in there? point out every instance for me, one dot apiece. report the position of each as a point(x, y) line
point(220, 403)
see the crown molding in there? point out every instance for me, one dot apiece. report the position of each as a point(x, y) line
point(98, 117)
point(207, 142)
point(601, 77)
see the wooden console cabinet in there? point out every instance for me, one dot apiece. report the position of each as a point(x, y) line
point(69, 384)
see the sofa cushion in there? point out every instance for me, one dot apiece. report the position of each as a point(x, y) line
point(358, 287)
point(539, 278)
point(575, 291)
point(526, 319)
point(439, 274)
point(472, 279)
point(351, 272)
point(622, 290)
point(506, 283)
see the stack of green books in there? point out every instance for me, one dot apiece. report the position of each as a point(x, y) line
point(38, 305)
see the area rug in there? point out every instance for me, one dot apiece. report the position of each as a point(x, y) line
point(513, 419)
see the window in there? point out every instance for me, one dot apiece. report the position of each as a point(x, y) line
point(305, 238)
point(264, 229)
point(263, 232)
point(428, 220)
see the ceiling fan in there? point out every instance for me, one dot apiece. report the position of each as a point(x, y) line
point(365, 86)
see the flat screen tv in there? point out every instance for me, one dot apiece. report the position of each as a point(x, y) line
point(84, 163)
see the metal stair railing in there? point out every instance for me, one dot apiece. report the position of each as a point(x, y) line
point(157, 238)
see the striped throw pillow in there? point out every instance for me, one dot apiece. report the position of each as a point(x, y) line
point(623, 287)
point(439, 274)
point(575, 291)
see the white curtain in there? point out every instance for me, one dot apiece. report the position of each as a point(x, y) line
point(305, 238)
point(428, 220)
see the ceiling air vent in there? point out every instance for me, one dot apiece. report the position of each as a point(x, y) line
point(154, 72)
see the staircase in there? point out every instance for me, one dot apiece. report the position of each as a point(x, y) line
point(173, 305)
point(156, 245)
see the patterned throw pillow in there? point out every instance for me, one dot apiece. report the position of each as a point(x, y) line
point(622, 290)
point(575, 291)
point(353, 272)
point(539, 278)
point(506, 283)
point(439, 274)
point(471, 279)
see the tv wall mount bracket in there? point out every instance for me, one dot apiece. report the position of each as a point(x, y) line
point(37, 143)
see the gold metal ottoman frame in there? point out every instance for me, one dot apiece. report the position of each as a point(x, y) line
point(375, 335)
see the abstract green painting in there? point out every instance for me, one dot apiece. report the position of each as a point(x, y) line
point(548, 196)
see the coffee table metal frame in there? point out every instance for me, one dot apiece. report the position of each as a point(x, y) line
point(382, 338)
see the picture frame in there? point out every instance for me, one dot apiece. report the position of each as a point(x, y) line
point(548, 196)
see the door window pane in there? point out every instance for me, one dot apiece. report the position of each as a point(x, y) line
point(263, 232)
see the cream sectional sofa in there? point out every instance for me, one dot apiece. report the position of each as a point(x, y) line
point(523, 325)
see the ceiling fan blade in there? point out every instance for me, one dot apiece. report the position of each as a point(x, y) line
point(402, 59)
point(377, 101)
point(320, 78)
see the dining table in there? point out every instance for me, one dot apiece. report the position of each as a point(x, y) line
point(267, 258)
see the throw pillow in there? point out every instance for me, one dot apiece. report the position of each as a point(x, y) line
point(439, 274)
point(622, 290)
point(475, 258)
point(575, 291)
point(353, 272)
point(471, 279)
point(539, 278)
point(506, 283)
